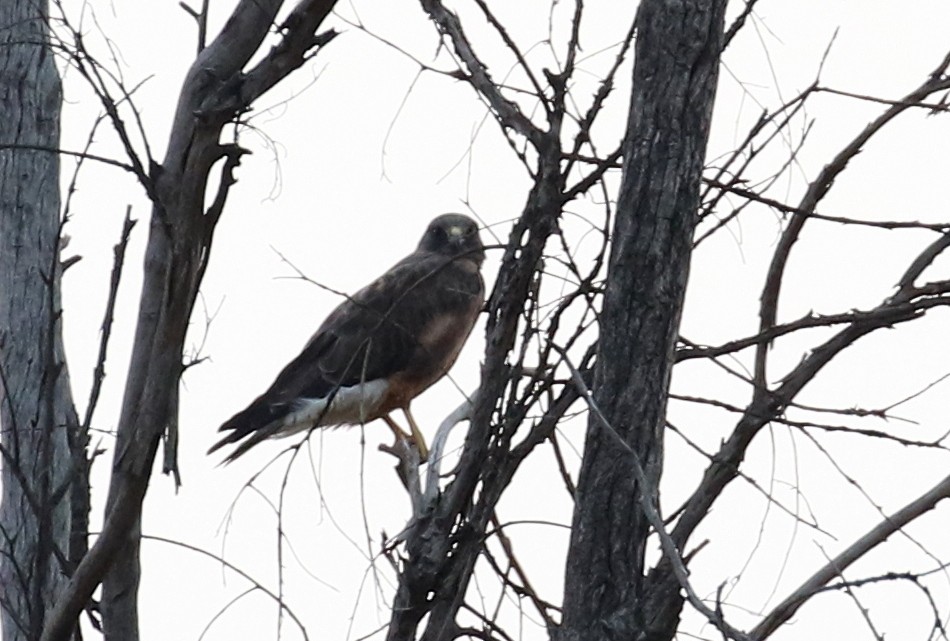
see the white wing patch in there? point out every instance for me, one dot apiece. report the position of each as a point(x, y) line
point(351, 405)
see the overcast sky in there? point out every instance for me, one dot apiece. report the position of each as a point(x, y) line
point(350, 161)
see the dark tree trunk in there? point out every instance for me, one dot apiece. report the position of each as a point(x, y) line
point(218, 87)
point(674, 82)
point(36, 408)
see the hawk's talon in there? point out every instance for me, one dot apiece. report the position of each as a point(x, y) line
point(413, 439)
point(417, 436)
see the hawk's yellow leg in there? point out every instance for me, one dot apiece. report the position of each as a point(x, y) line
point(415, 436)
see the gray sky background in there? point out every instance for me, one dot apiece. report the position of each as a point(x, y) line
point(350, 162)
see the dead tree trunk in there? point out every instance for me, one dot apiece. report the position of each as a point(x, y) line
point(674, 81)
point(36, 408)
point(217, 89)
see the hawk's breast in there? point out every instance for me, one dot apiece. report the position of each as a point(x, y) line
point(443, 328)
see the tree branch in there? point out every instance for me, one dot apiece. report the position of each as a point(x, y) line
point(99, 373)
point(874, 537)
point(174, 264)
point(816, 191)
point(891, 311)
point(507, 112)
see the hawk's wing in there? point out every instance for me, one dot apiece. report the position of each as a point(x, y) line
point(371, 336)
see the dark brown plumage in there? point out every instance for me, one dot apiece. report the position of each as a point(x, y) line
point(380, 348)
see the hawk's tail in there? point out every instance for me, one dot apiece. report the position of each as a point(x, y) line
point(250, 426)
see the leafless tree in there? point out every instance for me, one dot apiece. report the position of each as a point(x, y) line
point(220, 87)
point(622, 371)
point(675, 71)
point(36, 407)
point(602, 335)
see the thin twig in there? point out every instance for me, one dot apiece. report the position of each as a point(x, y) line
point(99, 372)
point(244, 575)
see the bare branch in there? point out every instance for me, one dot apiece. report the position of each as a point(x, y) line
point(232, 154)
point(66, 152)
point(461, 413)
point(99, 373)
point(739, 22)
point(513, 47)
point(176, 257)
point(874, 537)
point(525, 589)
point(508, 113)
point(257, 585)
point(906, 283)
point(789, 209)
point(816, 191)
point(890, 311)
point(201, 18)
point(768, 404)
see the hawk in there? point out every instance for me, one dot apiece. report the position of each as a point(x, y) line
point(380, 348)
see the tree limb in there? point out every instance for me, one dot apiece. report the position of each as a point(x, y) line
point(874, 537)
point(508, 113)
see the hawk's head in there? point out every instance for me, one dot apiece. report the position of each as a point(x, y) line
point(453, 235)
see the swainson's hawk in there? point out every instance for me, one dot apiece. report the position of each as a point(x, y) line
point(380, 348)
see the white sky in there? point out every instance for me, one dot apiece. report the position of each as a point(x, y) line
point(326, 189)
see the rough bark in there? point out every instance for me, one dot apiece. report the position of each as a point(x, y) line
point(216, 89)
point(674, 81)
point(446, 537)
point(36, 408)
